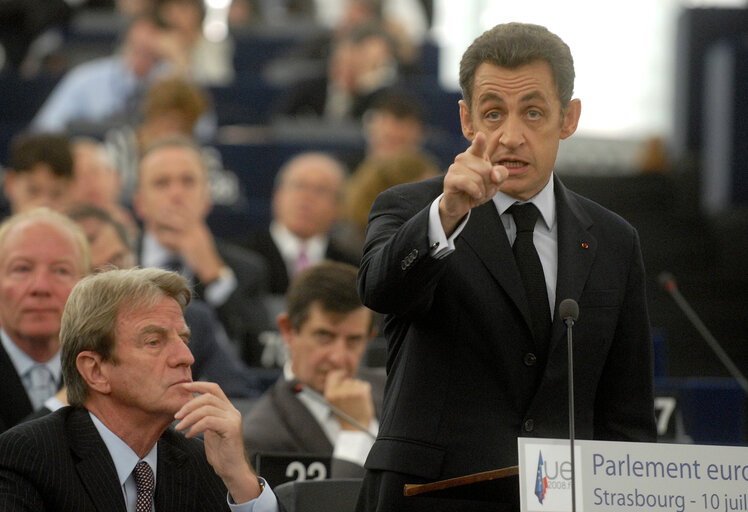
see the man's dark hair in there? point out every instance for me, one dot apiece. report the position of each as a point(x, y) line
point(513, 45)
point(330, 284)
point(29, 150)
point(81, 212)
point(399, 103)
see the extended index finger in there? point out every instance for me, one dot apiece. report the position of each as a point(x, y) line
point(478, 146)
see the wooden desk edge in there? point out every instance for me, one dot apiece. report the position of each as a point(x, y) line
point(415, 489)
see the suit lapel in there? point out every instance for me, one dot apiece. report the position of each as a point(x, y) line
point(485, 234)
point(172, 479)
point(95, 467)
point(310, 437)
point(576, 251)
point(14, 402)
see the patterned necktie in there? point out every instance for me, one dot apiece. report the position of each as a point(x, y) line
point(531, 270)
point(43, 385)
point(144, 481)
point(302, 260)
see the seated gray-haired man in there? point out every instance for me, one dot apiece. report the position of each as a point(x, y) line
point(126, 363)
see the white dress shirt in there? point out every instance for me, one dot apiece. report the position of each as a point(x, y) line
point(22, 362)
point(290, 245)
point(545, 234)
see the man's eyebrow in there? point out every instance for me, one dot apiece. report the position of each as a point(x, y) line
point(150, 329)
point(490, 96)
point(532, 96)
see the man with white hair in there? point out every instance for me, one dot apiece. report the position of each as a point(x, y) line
point(42, 255)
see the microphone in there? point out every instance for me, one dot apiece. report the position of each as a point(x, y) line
point(667, 281)
point(568, 310)
point(302, 388)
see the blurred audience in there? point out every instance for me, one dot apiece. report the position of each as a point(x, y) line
point(173, 201)
point(361, 65)
point(172, 106)
point(203, 61)
point(30, 31)
point(107, 238)
point(392, 125)
point(98, 183)
point(42, 255)
point(107, 90)
point(306, 205)
point(326, 330)
point(373, 176)
point(39, 173)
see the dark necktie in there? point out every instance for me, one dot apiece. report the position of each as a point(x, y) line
point(525, 216)
point(144, 483)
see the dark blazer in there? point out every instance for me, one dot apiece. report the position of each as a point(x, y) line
point(280, 422)
point(59, 463)
point(14, 401)
point(262, 243)
point(463, 377)
point(243, 315)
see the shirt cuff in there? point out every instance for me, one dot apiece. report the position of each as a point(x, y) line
point(265, 502)
point(219, 291)
point(442, 246)
point(354, 446)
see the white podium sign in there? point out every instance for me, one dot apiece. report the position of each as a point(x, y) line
point(636, 477)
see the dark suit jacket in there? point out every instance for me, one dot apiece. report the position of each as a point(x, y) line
point(262, 243)
point(243, 315)
point(14, 401)
point(463, 381)
point(280, 422)
point(59, 463)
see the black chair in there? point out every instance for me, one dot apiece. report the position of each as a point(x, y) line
point(338, 495)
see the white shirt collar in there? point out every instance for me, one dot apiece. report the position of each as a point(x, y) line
point(22, 362)
point(545, 201)
point(123, 456)
point(289, 245)
point(153, 254)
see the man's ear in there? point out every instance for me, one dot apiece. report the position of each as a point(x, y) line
point(89, 364)
point(284, 327)
point(571, 118)
point(466, 121)
point(9, 183)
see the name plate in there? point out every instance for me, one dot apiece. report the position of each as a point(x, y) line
point(641, 477)
point(278, 468)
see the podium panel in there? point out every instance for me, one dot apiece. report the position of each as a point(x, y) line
point(641, 477)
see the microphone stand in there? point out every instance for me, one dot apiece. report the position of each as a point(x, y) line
point(569, 324)
point(317, 397)
point(668, 283)
point(568, 309)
